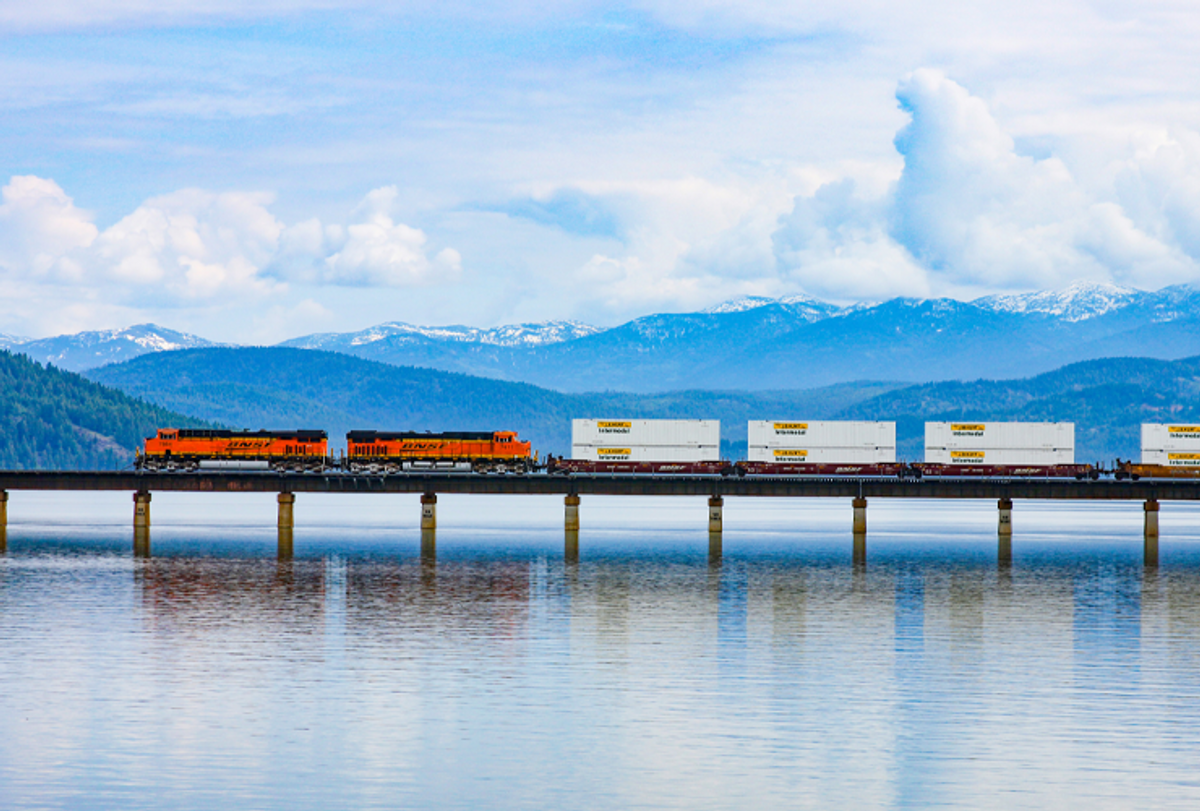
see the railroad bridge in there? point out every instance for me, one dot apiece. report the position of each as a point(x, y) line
point(287, 485)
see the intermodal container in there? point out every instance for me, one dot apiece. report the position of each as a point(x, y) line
point(821, 434)
point(645, 433)
point(971, 435)
point(1157, 437)
point(819, 455)
point(1171, 458)
point(644, 453)
point(1001, 456)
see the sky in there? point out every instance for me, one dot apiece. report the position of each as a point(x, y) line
point(255, 174)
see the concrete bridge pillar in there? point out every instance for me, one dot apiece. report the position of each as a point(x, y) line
point(287, 515)
point(141, 510)
point(571, 513)
point(1150, 533)
point(1151, 523)
point(571, 546)
point(1005, 507)
point(3, 521)
point(860, 516)
point(716, 506)
point(429, 511)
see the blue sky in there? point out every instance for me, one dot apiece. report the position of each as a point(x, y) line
point(313, 166)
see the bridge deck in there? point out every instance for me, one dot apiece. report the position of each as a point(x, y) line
point(541, 484)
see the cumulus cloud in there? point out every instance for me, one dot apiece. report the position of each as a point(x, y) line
point(39, 227)
point(193, 243)
point(969, 212)
point(372, 251)
point(196, 245)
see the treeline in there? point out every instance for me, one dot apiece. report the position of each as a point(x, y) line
point(51, 419)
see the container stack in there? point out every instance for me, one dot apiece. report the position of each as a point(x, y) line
point(646, 440)
point(821, 441)
point(1171, 445)
point(1000, 443)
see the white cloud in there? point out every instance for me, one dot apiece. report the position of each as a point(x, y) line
point(968, 212)
point(39, 227)
point(192, 249)
point(192, 244)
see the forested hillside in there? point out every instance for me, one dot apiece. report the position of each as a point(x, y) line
point(278, 388)
point(298, 388)
point(1108, 400)
point(53, 419)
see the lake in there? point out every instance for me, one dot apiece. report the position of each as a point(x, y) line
point(494, 673)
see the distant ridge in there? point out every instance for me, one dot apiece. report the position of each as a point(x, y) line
point(753, 343)
point(86, 350)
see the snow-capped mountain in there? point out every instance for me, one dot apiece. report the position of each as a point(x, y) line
point(8, 341)
point(754, 342)
point(86, 350)
point(1078, 302)
point(396, 332)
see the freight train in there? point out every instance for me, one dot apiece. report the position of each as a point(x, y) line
point(812, 449)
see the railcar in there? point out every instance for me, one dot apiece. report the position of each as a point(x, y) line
point(1132, 470)
point(565, 467)
point(467, 451)
point(195, 448)
point(960, 471)
point(872, 470)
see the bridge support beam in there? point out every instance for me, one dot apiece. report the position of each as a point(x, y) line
point(860, 516)
point(3, 521)
point(571, 513)
point(716, 507)
point(1004, 528)
point(287, 514)
point(428, 511)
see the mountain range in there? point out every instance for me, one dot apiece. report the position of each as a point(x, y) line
point(753, 343)
point(285, 387)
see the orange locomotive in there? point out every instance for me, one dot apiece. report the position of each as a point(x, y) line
point(480, 451)
point(189, 448)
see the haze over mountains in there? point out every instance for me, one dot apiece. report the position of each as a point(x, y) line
point(752, 343)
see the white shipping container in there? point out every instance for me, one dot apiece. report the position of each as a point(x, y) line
point(857, 456)
point(821, 434)
point(643, 453)
point(1171, 458)
point(970, 435)
point(646, 433)
point(1001, 456)
point(1169, 437)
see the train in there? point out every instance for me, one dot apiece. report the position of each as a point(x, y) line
point(504, 452)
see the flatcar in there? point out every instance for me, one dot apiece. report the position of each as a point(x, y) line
point(475, 451)
point(193, 448)
point(872, 470)
point(1132, 470)
point(937, 470)
point(565, 467)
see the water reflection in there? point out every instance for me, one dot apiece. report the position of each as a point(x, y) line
point(485, 678)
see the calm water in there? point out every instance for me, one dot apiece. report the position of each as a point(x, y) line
point(647, 675)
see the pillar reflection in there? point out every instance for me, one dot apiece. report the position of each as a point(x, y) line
point(716, 548)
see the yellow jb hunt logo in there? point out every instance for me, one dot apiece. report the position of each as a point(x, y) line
point(789, 454)
point(605, 452)
point(1184, 431)
point(791, 428)
point(614, 426)
point(1183, 459)
point(967, 428)
point(967, 456)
